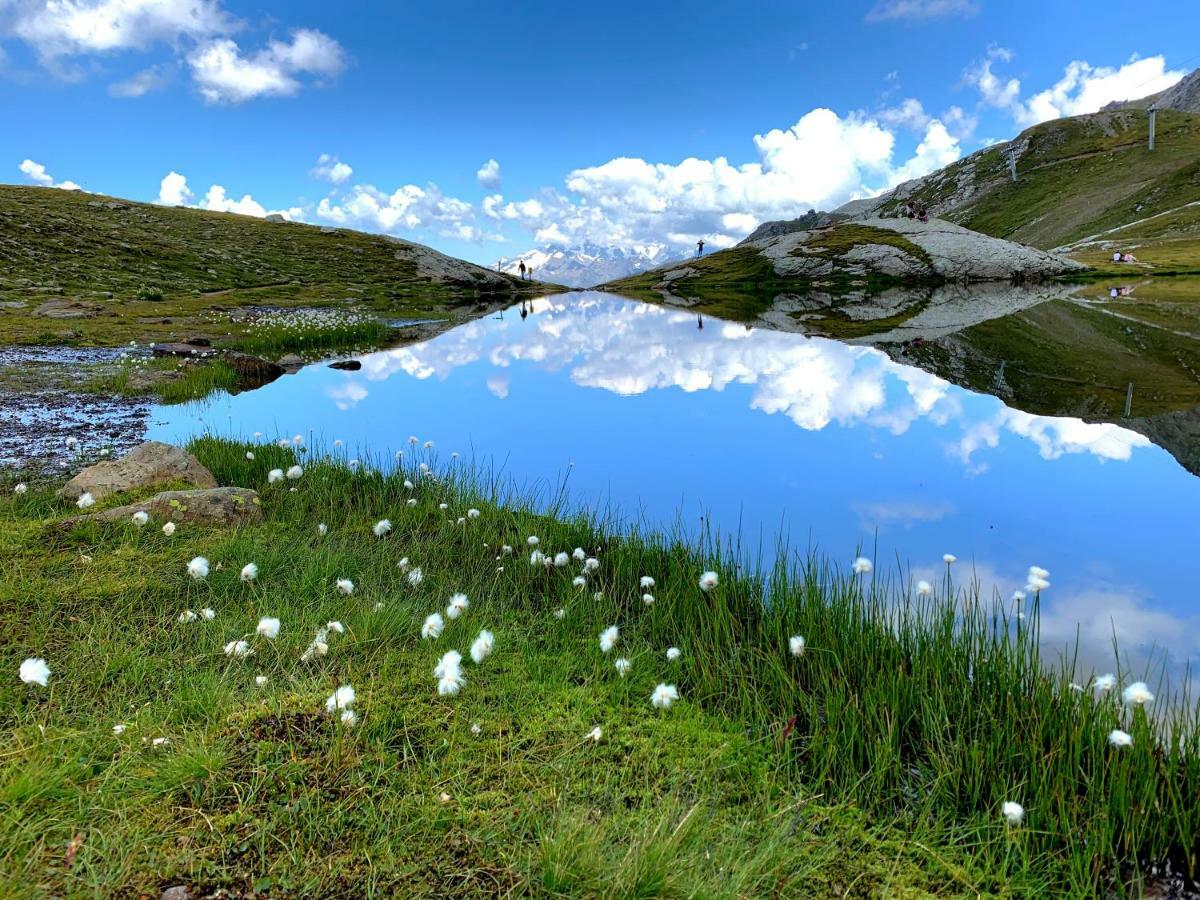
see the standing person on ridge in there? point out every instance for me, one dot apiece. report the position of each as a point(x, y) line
point(521, 269)
point(700, 247)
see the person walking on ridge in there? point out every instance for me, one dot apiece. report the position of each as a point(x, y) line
point(700, 248)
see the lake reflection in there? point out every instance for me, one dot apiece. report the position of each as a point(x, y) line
point(659, 413)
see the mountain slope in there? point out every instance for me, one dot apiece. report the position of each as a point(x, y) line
point(587, 264)
point(1183, 97)
point(112, 266)
point(1076, 177)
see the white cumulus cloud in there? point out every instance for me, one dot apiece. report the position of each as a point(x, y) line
point(489, 175)
point(224, 74)
point(36, 172)
point(919, 10)
point(174, 191)
point(330, 168)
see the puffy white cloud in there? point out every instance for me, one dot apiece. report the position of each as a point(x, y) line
point(36, 172)
point(224, 75)
point(57, 28)
point(330, 168)
point(820, 162)
point(919, 10)
point(174, 191)
point(489, 175)
point(910, 113)
point(408, 208)
point(1083, 88)
point(141, 83)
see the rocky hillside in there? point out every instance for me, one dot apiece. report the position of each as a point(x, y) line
point(1183, 97)
point(1076, 177)
point(847, 262)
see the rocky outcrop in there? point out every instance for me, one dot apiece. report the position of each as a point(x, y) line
point(223, 506)
point(149, 464)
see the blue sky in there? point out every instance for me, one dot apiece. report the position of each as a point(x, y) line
point(623, 123)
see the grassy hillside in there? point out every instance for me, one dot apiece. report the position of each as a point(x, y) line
point(1076, 177)
point(113, 270)
point(872, 761)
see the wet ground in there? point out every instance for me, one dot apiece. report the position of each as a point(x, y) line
point(46, 424)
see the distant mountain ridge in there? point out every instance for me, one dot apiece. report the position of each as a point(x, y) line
point(588, 264)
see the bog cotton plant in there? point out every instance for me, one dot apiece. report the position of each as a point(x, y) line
point(1118, 738)
point(663, 696)
point(1013, 812)
point(141, 518)
point(482, 646)
point(457, 606)
point(709, 581)
point(268, 627)
point(275, 476)
point(345, 586)
point(381, 528)
point(608, 638)
point(198, 568)
point(433, 626)
point(796, 645)
point(862, 566)
point(449, 674)
point(249, 572)
point(85, 500)
point(1137, 694)
point(35, 671)
point(622, 666)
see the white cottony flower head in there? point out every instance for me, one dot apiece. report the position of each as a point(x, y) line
point(473, 513)
point(284, 442)
point(648, 599)
point(449, 673)
point(382, 527)
point(443, 506)
point(591, 564)
point(168, 529)
point(187, 616)
point(1038, 572)
point(664, 695)
point(796, 645)
point(140, 518)
point(1036, 584)
point(536, 557)
point(1137, 694)
point(482, 646)
point(608, 638)
point(338, 442)
point(249, 454)
point(579, 581)
point(862, 566)
point(924, 588)
point(249, 572)
point(322, 529)
point(298, 440)
point(408, 485)
point(413, 439)
point(342, 698)
point(345, 586)
point(432, 629)
point(260, 680)
point(336, 626)
point(646, 582)
point(622, 666)
point(268, 627)
point(274, 476)
point(85, 500)
point(532, 540)
point(295, 473)
point(506, 549)
point(1105, 683)
point(238, 649)
point(475, 729)
point(578, 555)
point(561, 559)
point(35, 671)
point(709, 581)
point(208, 614)
point(949, 559)
point(403, 564)
point(457, 606)
point(462, 520)
point(198, 568)
point(410, 502)
point(20, 488)
point(1119, 738)
point(428, 445)
point(560, 613)
point(160, 742)
point(416, 576)
point(1014, 813)
point(118, 729)
point(349, 718)
point(594, 735)
point(1018, 596)
point(673, 653)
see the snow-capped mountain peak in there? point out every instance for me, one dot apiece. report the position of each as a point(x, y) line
point(588, 264)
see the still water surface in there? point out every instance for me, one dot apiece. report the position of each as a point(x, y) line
point(776, 434)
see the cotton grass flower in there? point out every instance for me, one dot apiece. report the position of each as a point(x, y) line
point(949, 559)
point(410, 502)
point(561, 559)
point(608, 638)
point(648, 599)
point(532, 540)
point(457, 606)
point(198, 568)
point(591, 564)
point(85, 500)
point(261, 680)
point(249, 572)
point(249, 455)
point(664, 695)
point(1105, 683)
point(118, 729)
point(208, 614)
point(1118, 738)
point(1137, 694)
point(187, 616)
point(416, 576)
point(578, 555)
point(1014, 813)
point(336, 626)
point(342, 698)
point(403, 564)
point(238, 649)
point(35, 671)
point(924, 588)
point(579, 581)
point(345, 586)
point(673, 654)
point(560, 613)
point(381, 528)
point(268, 627)
point(433, 626)
point(709, 581)
point(349, 718)
point(796, 645)
point(322, 529)
point(141, 517)
point(482, 646)
point(449, 674)
point(536, 558)
point(168, 529)
point(594, 735)
point(295, 473)
point(862, 566)
point(622, 666)
point(275, 476)
point(473, 513)
point(646, 582)
point(20, 488)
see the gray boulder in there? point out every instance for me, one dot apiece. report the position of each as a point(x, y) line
point(225, 506)
point(146, 465)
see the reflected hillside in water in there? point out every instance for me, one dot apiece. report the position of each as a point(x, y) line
point(1125, 352)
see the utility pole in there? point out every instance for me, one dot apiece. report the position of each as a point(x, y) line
point(1152, 111)
point(1012, 161)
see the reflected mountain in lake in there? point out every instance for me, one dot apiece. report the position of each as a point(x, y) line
point(667, 416)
